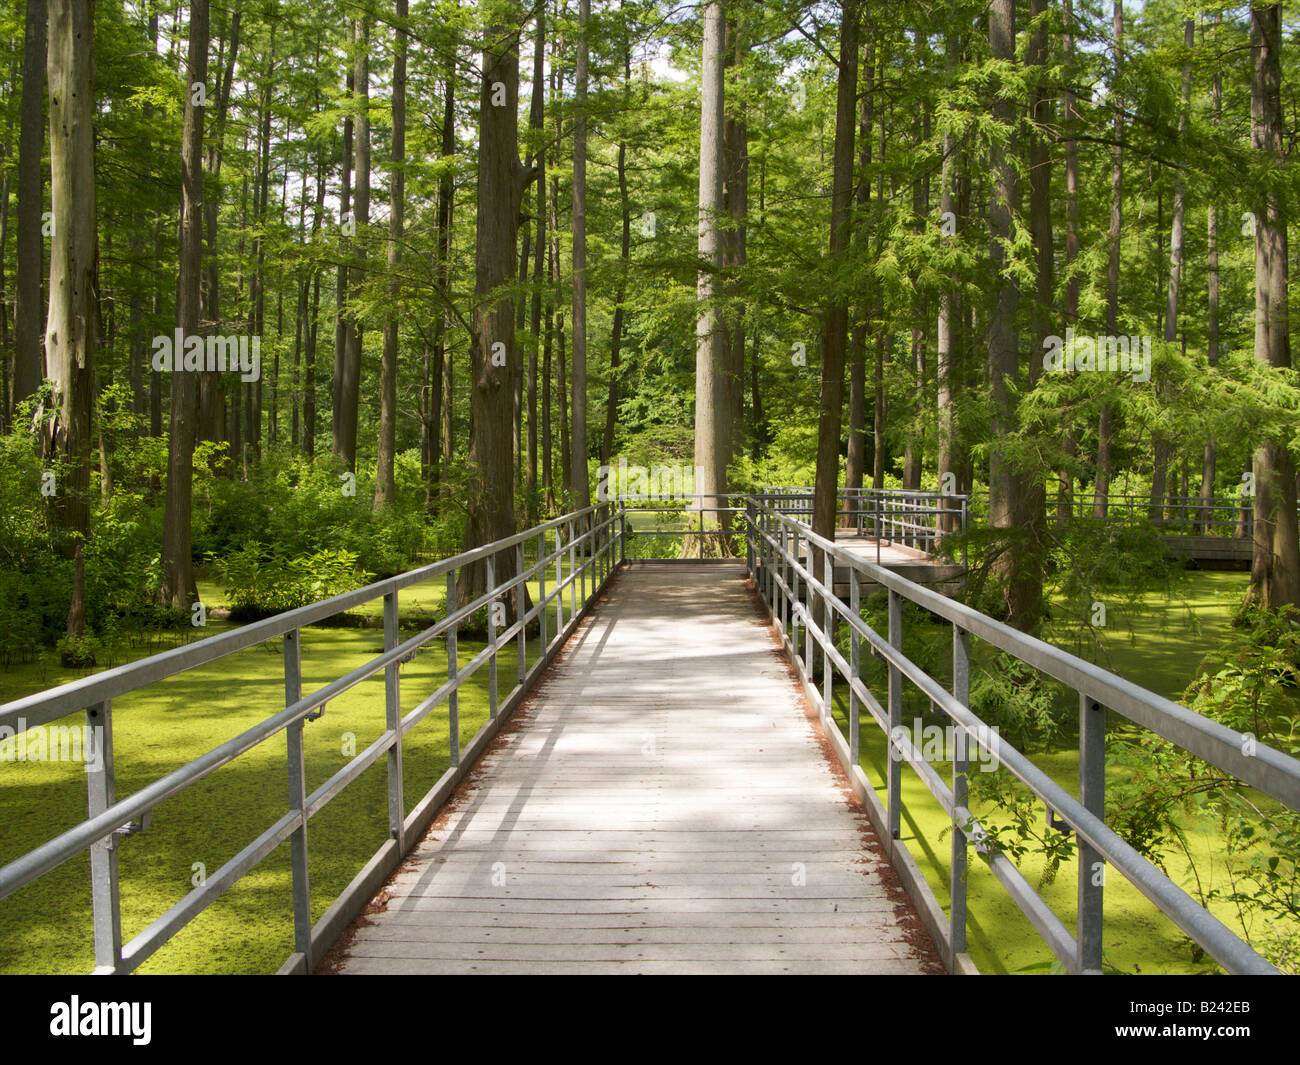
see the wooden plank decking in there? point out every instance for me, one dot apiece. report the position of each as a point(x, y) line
point(664, 807)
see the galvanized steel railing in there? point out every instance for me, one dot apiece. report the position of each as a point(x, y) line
point(591, 541)
point(919, 520)
point(1224, 516)
point(796, 597)
point(594, 542)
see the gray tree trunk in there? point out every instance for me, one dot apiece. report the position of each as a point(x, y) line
point(27, 280)
point(835, 333)
point(385, 486)
point(349, 388)
point(1275, 565)
point(1105, 424)
point(178, 589)
point(711, 412)
point(579, 483)
point(501, 183)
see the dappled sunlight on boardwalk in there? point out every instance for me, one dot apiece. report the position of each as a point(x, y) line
point(665, 806)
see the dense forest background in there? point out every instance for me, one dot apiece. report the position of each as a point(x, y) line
point(480, 251)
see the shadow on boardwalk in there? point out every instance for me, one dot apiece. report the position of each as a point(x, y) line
point(662, 805)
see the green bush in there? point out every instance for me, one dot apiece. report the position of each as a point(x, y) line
point(261, 581)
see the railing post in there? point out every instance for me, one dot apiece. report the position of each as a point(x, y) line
point(1092, 795)
point(622, 534)
point(100, 795)
point(584, 553)
point(453, 699)
point(880, 530)
point(297, 803)
point(573, 573)
point(541, 593)
point(895, 715)
point(957, 867)
point(491, 587)
point(559, 583)
point(855, 665)
point(828, 614)
point(749, 541)
point(809, 666)
point(393, 722)
point(521, 597)
point(794, 591)
point(780, 565)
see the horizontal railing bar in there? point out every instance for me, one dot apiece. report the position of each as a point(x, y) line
point(143, 946)
point(47, 856)
point(1268, 770)
point(1198, 922)
point(41, 860)
point(1036, 911)
point(348, 773)
point(46, 706)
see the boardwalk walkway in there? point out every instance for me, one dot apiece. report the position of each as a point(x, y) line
point(664, 807)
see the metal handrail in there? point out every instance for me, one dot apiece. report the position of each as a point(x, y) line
point(778, 573)
point(593, 545)
point(685, 506)
point(883, 515)
point(594, 539)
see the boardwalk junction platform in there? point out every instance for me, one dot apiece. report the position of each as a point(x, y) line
point(660, 787)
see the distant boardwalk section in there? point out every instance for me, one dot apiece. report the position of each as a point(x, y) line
point(665, 807)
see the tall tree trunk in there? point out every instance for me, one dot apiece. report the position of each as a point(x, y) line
point(757, 420)
point(579, 486)
point(385, 486)
point(537, 124)
point(949, 372)
point(70, 327)
point(1030, 487)
point(1162, 447)
point(1065, 492)
point(1209, 459)
point(257, 308)
point(349, 388)
point(855, 457)
point(620, 296)
point(501, 182)
point(835, 331)
point(6, 363)
point(1012, 569)
point(879, 448)
point(178, 587)
point(212, 400)
point(1275, 565)
point(711, 412)
point(442, 271)
point(735, 200)
point(1106, 423)
point(31, 137)
point(342, 323)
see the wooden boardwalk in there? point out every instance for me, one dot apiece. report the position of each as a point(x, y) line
point(663, 807)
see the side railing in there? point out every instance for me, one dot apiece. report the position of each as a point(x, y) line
point(798, 595)
point(573, 556)
point(679, 529)
point(919, 520)
point(1220, 516)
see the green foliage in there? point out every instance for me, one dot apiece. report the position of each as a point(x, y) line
point(78, 652)
point(1026, 830)
point(1013, 697)
point(305, 508)
point(260, 580)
